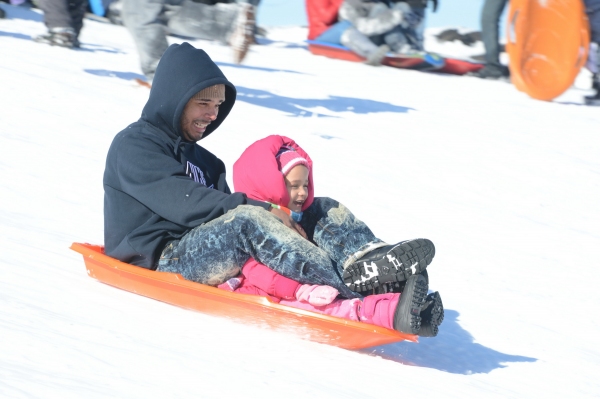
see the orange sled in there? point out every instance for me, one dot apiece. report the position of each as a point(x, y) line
point(249, 309)
point(451, 65)
point(547, 44)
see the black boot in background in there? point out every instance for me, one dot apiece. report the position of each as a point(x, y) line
point(594, 99)
point(491, 71)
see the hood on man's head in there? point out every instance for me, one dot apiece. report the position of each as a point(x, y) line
point(182, 72)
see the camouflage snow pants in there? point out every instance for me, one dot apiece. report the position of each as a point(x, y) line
point(215, 251)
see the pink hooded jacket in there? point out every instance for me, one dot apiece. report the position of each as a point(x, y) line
point(256, 173)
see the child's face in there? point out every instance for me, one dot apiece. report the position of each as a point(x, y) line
point(296, 182)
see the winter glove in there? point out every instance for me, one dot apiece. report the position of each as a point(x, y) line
point(316, 295)
point(232, 284)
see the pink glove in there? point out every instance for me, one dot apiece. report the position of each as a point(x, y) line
point(232, 284)
point(316, 295)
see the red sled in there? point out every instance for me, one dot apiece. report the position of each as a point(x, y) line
point(451, 65)
point(249, 309)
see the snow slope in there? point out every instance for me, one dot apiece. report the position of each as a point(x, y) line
point(506, 187)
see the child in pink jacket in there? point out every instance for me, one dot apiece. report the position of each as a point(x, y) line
point(276, 170)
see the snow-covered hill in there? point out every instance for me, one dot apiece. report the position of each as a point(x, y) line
point(507, 188)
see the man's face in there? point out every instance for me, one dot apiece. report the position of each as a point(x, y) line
point(198, 113)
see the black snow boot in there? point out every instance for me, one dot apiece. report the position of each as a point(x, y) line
point(389, 264)
point(396, 287)
point(491, 71)
point(594, 99)
point(432, 315)
point(61, 37)
point(407, 317)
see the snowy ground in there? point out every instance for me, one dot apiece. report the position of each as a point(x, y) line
point(507, 188)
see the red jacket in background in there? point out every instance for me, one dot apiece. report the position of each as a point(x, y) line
point(321, 15)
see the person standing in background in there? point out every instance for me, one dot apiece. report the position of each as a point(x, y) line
point(490, 20)
point(64, 20)
point(592, 9)
point(149, 22)
point(371, 29)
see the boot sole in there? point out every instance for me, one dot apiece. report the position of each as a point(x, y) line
point(401, 262)
point(51, 42)
point(592, 101)
point(407, 317)
point(429, 328)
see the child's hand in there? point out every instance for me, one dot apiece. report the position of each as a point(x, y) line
point(316, 295)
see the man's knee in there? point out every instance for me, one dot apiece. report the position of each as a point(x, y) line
point(247, 215)
point(245, 211)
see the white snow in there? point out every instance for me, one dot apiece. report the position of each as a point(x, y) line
point(508, 189)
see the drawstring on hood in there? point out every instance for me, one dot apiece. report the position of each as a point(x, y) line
point(176, 148)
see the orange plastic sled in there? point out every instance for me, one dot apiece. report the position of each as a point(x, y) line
point(547, 44)
point(249, 309)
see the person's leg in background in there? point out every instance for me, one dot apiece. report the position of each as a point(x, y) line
point(490, 20)
point(64, 20)
point(593, 64)
point(146, 21)
point(232, 24)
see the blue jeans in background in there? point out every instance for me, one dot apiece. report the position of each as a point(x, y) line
point(215, 251)
point(593, 13)
point(490, 19)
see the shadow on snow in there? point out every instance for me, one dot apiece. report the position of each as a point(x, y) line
point(255, 68)
point(85, 46)
point(15, 35)
point(23, 12)
point(303, 107)
point(265, 41)
point(115, 74)
point(453, 351)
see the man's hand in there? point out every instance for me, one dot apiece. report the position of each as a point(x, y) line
point(288, 221)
